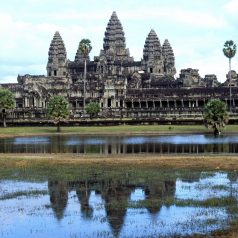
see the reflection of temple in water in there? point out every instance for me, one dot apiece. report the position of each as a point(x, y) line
point(58, 191)
point(116, 196)
point(115, 193)
point(108, 145)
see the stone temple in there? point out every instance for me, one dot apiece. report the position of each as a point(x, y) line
point(123, 87)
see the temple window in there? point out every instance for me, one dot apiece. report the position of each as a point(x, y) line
point(55, 72)
point(109, 102)
point(151, 70)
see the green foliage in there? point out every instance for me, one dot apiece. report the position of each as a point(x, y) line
point(215, 114)
point(85, 47)
point(58, 109)
point(93, 108)
point(229, 49)
point(7, 99)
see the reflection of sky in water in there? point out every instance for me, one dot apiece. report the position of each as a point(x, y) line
point(84, 141)
point(206, 187)
point(9, 186)
point(31, 140)
point(32, 216)
point(136, 140)
point(173, 139)
point(137, 195)
point(172, 221)
point(181, 139)
point(196, 139)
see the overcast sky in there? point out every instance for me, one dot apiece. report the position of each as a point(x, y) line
point(196, 30)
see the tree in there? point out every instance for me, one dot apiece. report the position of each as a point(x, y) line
point(85, 48)
point(229, 51)
point(93, 108)
point(7, 101)
point(215, 115)
point(58, 109)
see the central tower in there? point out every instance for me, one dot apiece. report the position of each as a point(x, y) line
point(114, 42)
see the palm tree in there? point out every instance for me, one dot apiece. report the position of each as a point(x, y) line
point(229, 51)
point(85, 48)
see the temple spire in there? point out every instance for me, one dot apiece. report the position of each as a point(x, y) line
point(169, 59)
point(114, 42)
point(57, 57)
point(152, 54)
point(152, 47)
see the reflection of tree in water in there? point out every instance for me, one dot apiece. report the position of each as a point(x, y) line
point(58, 197)
point(58, 144)
point(83, 193)
point(116, 196)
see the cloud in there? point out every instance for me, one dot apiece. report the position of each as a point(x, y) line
point(232, 6)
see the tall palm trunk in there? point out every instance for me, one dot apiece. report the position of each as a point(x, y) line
point(230, 81)
point(84, 86)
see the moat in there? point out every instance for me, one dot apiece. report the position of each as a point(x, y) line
point(156, 144)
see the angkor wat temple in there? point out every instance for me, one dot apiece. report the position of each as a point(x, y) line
point(122, 86)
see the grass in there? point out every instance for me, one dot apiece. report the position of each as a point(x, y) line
point(23, 193)
point(213, 202)
point(122, 129)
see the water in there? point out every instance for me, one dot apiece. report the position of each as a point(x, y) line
point(119, 207)
point(171, 144)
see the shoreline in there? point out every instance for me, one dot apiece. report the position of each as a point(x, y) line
point(123, 130)
point(209, 162)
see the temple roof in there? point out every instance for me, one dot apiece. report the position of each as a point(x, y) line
point(167, 52)
point(152, 47)
point(114, 34)
point(57, 48)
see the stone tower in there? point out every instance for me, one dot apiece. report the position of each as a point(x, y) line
point(152, 54)
point(114, 42)
point(57, 59)
point(169, 60)
point(79, 57)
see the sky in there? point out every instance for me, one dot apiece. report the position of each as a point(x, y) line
point(196, 30)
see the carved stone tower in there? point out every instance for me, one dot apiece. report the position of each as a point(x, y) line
point(169, 60)
point(152, 54)
point(57, 59)
point(114, 46)
point(79, 57)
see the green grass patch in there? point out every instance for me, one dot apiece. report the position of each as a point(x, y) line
point(106, 129)
point(120, 129)
point(23, 193)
